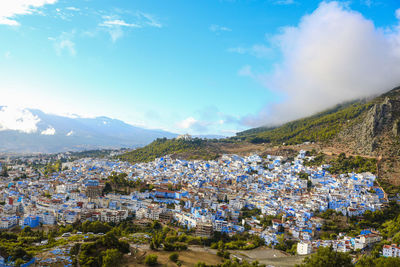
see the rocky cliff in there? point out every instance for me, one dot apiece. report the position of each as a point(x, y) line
point(376, 131)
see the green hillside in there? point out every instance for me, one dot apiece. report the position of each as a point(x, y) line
point(320, 127)
point(189, 149)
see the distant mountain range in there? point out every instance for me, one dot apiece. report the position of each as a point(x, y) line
point(31, 130)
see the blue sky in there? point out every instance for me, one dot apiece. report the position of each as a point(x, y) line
point(202, 67)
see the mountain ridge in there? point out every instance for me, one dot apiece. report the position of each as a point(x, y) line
point(33, 130)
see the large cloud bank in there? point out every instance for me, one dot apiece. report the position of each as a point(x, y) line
point(17, 119)
point(333, 55)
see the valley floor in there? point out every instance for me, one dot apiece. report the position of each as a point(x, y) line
point(268, 256)
point(197, 254)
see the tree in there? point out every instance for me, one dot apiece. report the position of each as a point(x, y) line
point(19, 253)
point(156, 225)
point(325, 256)
point(75, 249)
point(156, 240)
point(370, 261)
point(4, 171)
point(112, 257)
point(174, 257)
point(96, 227)
point(107, 188)
point(51, 168)
point(170, 187)
point(309, 184)
point(151, 260)
point(19, 262)
point(226, 255)
point(27, 231)
point(303, 175)
point(293, 249)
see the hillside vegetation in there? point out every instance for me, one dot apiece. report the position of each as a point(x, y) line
point(343, 164)
point(320, 127)
point(189, 149)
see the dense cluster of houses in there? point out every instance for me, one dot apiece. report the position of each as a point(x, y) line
point(205, 195)
point(343, 244)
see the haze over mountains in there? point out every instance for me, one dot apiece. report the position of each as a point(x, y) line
point(31, 130)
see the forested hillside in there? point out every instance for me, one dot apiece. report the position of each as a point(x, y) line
point(195, 148)
point(320, 127)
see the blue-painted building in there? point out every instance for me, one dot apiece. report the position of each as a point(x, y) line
point(31, 221)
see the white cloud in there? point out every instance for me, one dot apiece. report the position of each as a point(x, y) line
point(284, 2)
point(257, 50)
point(150, 20)
point(187, 123)
point(72, 8)
point(9, 9)
point(7, 55)
point(208, 119)
point(246, 71)
point(260, 51)
point(397, 13)
point(368, 3)
point(18, 119)
point(193, 125)
point(66, 13)
point(333, 55)
point(118, 22)
point(218, 28)
point(114, 25)
point(74, 115)
point(239, 50)
point(49, 131)
point(115, 33)
point(64, 42)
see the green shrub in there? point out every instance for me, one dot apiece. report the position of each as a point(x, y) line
point(151, 260)
point(174, 257)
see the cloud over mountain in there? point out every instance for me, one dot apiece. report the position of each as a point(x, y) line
point(333, 55)
point(17, 119)
point(49, 131)
point(31, 130)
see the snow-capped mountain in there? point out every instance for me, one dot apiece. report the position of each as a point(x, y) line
point(31, 130)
